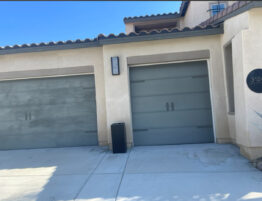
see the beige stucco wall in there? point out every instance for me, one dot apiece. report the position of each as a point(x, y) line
point(244, 31)
point(65, 59)
point(197, 12)
point(117, 87)
point(252, 46)
point(232, 33)
point(112, 92)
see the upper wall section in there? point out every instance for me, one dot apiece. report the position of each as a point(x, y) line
point(233, 26)
point(152, 22)
point(191, 14)
point(51, 59)
point(199, 11)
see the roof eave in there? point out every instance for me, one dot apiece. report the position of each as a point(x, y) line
point(152, 18)
point(162, 36)
point(118, 40)
point(50, 48)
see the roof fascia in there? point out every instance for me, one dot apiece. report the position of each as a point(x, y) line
point(50, 48)
point(152, 18)
point(117, 40)
point(162, 36)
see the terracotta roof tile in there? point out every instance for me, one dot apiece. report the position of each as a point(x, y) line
point(110, 36)
point(151, 17)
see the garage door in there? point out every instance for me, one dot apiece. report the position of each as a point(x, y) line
point(171, 104)
point(48, 112)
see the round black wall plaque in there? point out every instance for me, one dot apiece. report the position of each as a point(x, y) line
point(254, 80)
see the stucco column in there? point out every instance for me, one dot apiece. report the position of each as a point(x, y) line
point(100, 101)
point(117, 95)
point(247, 48)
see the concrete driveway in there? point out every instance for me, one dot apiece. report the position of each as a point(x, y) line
point(203, 172)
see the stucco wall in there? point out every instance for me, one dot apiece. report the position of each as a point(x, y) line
point(65, 59)
point(252, 46)
point(244, 32)
point(252, 59)
point(117, 87)
point(112, 92)
point(233, 28)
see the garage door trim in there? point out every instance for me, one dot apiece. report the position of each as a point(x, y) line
point(168, 58)
point(45, 73)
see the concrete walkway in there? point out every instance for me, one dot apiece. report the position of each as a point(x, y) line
point(204, 172)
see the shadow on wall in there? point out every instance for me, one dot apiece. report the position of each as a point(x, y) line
point(258, 125)
point(259, 114)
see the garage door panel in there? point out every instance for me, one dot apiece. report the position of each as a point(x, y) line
point(40, 115)
point(173, 119)
point(45, 133)
point(70, 111)
point(181, 101)
point(171, 136)
point(43, 125)
point(47, 97)
point(166, 71)
point(71, 122)
point(26, 141)
point(43, 140)
point(47, 111)
point(171, 104)
point(159, 87)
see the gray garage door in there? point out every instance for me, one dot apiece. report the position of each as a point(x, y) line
point(48, 112)
point(171, 104)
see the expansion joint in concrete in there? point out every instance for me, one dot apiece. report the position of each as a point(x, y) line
point(122, 176)
point(89, 176)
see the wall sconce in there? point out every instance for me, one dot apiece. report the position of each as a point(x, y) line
point(115, 66)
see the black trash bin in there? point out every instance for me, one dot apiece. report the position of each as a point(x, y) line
point(118, 132)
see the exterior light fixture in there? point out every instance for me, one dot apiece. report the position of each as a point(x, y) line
point(115, 66)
